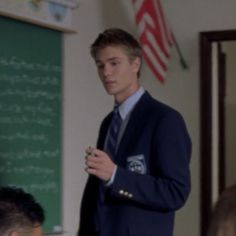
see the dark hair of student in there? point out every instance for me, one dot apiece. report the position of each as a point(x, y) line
point(18, 210)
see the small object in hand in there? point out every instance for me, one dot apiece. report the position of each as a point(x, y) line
point(90, 151)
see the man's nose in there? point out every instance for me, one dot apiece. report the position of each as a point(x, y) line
point(107, 70)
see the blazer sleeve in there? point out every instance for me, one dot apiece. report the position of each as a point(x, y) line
point(166, 186)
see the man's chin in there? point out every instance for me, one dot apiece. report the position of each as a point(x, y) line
point(111, 92)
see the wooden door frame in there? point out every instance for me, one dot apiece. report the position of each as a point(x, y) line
point(206, 39)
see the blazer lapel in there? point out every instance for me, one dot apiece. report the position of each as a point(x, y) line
point(135, 124)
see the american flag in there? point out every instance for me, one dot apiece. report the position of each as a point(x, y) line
point(155, 35)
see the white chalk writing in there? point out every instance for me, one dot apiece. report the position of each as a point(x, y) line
point(30, 106)
point(29, 94)
point(27, 154)
point(16, 63)
point(29, 170)
point(26, 136)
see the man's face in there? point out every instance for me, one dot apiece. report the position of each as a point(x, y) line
point(117, 73)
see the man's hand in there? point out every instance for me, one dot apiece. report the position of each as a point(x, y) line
point(98, 163)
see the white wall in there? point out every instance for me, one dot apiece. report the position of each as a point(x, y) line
point(85, 102)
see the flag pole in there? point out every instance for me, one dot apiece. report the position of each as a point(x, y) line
point(181, 58)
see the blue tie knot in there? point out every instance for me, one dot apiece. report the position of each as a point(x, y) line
point(116, 112)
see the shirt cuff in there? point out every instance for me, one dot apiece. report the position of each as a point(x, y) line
point(111, 180)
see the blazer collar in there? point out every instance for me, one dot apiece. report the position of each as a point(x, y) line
point(134, 125)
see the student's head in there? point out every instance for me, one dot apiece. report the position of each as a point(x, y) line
point(20, 214)
point(223, 222)
point(116, 37)
point(118, 58)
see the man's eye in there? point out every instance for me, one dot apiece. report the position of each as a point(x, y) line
point(100, 66)
point(114, 63)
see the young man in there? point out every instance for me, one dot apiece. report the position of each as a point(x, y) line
point(133, 188)
point(20, 215)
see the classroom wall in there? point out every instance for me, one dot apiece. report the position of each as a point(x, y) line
point(85, 101)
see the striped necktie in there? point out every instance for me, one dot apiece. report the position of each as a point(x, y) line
point(113, 132)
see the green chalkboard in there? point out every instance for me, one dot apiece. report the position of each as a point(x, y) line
point(30, 113)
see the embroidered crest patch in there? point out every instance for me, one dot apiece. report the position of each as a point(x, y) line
point(137, 164)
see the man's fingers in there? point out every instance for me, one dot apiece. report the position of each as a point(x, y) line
point(91, 171)
point(97, 152)
point(94, 162)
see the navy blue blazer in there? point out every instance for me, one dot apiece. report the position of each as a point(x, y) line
point(152, 180)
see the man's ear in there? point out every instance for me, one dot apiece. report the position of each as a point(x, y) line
point(136, 64)
point(14, 233)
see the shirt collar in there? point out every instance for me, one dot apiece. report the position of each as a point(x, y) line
point(126, 107)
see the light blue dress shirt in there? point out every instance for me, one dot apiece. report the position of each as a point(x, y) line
point(125, 110)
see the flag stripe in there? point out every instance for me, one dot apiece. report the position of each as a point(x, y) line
point(147, 23)
point(148, 16)
point(149, 54)
point(166, 26)
point(154, 69)
point(147, 42)
point(162, 26)
point(155, 35)
point(148, 33)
